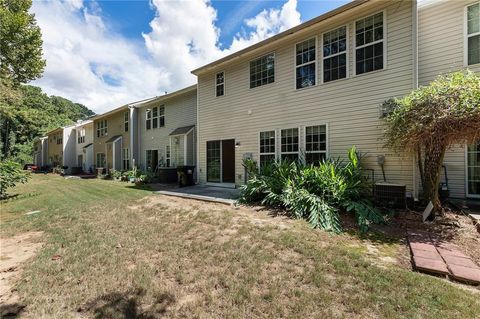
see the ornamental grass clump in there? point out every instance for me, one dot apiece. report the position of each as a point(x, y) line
point(316, 193)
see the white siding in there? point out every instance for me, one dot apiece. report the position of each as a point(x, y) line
point(350, 106)
point(180, 111)
point(441, 50)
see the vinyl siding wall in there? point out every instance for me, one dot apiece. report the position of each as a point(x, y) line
point(441, 37)
point(55, 149)
point(180, 111)
point(350, 107)
point(88, 159)
point(115, 126)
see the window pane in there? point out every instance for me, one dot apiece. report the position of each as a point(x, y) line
point(305, 52)
point(219, 90)
point(473, 19)
point(306, 76)
point(369, 58)
point(335, 68)
point(314, 158)
point(369, 29)
point(267, 142)
point(335, 41)
point(155, 122)
point(220, 78)
point(262, 71)
point(266, 159)
point(474, 49)
point(289, 140)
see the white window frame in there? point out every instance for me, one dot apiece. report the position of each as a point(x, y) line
point(102, 128)
point(168, 156)
point(81, 136)
point(126, 121)
point(347, 51)
point(280, 153)
point(275, 153)
point(125, 158)
point(217, 85)
point(161, 115)
point(295, 66)
point(274, 70)
point(304, 140)
point(104, 159)
point(148, 112)
point(466, 35)
point(384, 40)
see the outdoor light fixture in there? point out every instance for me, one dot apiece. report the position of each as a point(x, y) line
point(237, 144)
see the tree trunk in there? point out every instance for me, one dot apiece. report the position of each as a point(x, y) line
point(433, 161)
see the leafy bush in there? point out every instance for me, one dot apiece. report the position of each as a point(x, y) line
point(315, 193)
point(10, 175)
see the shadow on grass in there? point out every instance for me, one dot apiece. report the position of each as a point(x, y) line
point(129, 305)
point(142, 187)
point(11, 310)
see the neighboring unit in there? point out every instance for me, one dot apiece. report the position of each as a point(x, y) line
point(313, 91)
point(167, 132)
point(84, 146)
point(40, 152)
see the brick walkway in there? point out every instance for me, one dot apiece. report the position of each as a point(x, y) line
point(435, 257)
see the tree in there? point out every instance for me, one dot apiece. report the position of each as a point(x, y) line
point(431, 119)
point(10, 175)
point(20, 43)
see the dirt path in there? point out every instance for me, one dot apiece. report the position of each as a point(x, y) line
point(14, 252)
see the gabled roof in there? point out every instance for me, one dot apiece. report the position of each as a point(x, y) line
point(165, 97)
point(113, 139)
point(88, 145)
point(182, 130)
point(281, 35)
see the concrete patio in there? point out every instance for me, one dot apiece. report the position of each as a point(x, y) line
point(203, 192)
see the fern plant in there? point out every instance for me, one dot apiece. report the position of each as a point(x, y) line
point(314, 192)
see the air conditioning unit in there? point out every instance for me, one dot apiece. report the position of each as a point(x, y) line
point(390, 195)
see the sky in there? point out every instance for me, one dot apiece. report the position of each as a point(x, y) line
point(107, 53)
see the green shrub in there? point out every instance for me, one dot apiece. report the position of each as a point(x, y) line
point(10, 175)
point(315, 193)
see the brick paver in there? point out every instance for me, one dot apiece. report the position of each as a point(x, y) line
point(432, 256)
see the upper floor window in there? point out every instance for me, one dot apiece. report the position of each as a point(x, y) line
point(473, 34)
point(305, 64)
point(335, 54)
point(81, 136)
point(289, 144)
point(59, 139)
point(315, 144)
point(262, 70)
point(101, 128)
point(220, 84)
point(155, 117)
point(369, 44)
point(126, 117)
point(267, 147)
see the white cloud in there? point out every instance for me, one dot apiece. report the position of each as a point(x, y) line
point(89, 63)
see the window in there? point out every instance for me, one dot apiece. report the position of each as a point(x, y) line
point(59, 139)
point(125, 159)
point(473, 34)
point(369, 43)
point(315, 144)
point(262, 70)
point(289, 144)
point(335, 54)
point(267, 148)
point(101, 128)
point(220, 84)
point(100, 159)
point(167, 156)
point(148, 121)
point(305, 61)
point(81, 136)
point(126, 116)
point(161, 114)
point(155, 117)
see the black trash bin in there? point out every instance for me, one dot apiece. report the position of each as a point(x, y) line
point(185, 175)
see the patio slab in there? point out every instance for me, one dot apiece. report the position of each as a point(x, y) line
point(466, 274)
point(204, 192)
point(434, 266)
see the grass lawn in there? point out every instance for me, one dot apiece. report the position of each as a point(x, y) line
point(127, 253)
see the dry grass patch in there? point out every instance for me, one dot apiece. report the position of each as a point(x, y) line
point(155, 256)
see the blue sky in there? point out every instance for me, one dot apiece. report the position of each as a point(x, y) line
point(107, 53)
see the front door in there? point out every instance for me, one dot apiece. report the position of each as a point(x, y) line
point(473, 170)
point(221, 161)
point(80, 161)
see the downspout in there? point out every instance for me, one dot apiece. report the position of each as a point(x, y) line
point(197, 148)
point(133, 143)
point(415, 82)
